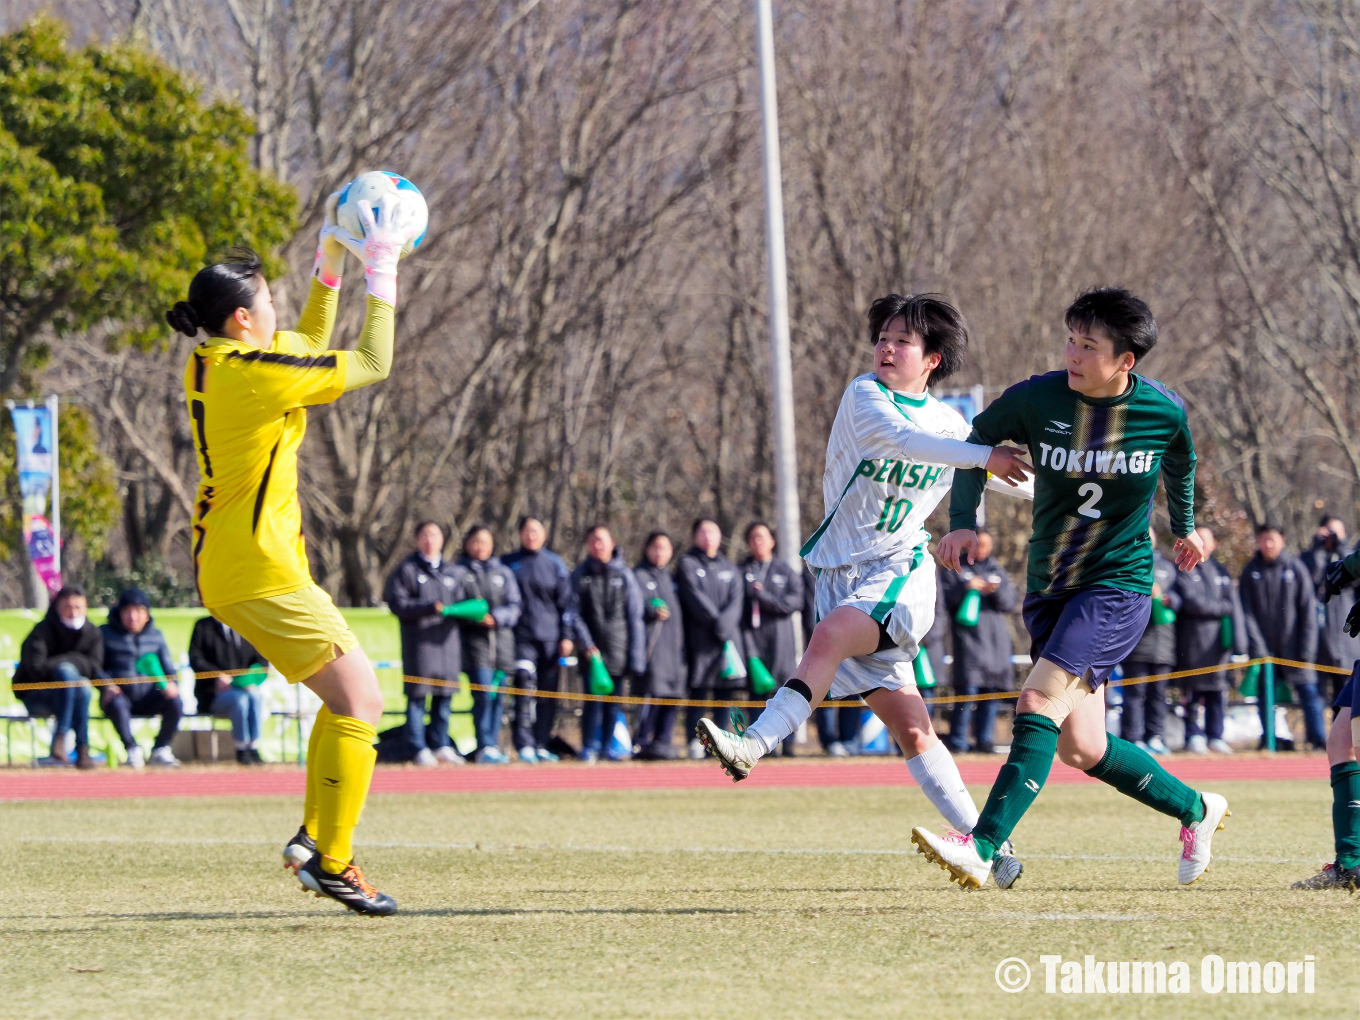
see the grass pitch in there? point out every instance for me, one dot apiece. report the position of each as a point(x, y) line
point(734, 903)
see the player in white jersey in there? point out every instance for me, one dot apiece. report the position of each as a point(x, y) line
point(890, 460)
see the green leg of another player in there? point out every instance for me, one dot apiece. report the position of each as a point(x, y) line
point(1135, 773)
point(1346, 813)
point(1034, 742)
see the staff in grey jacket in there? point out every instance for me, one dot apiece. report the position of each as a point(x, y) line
point(1280, 609)
point(1209, 631)
point(711, 595)
point(489, 643)
point(666, 673)
point(773, 592)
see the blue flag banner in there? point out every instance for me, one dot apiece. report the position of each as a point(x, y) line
point(36, 446)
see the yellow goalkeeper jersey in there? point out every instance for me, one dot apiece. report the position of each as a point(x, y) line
point(247, 410)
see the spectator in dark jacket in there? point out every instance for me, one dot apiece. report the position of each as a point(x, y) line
point(982, 649)
point(1209, 631)
point(489, 643)
point(1143, 720)
point(665, 676)
point(773, 592)
point(542, 636)
point(216, 652)
point(1335, 646)
point(417, 592)
point(1280, 609)
point(64, 648)
point(135, 647)
point(608, 622)
point(711, 595)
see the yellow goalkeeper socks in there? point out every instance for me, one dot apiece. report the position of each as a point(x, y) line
point(309, 801)
point(344, 767)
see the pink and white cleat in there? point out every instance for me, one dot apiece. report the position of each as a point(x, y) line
point(1195, 839)
point(956, 853)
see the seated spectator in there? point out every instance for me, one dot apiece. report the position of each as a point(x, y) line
point(665, 677)
point(218, 651)
point(608, 623)
point(135, 647)
point(489, 643)
point(63, 648)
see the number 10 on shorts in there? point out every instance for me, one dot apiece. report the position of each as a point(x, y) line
point(895, 511)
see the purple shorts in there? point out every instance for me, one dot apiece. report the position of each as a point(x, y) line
point(1349, 697)
point(1088, 631)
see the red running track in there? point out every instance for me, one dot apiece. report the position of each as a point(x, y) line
point(223, 781)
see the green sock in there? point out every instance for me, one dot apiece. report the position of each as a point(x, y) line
point(1346, 813)
point(1135, 773)
point(1034, 742)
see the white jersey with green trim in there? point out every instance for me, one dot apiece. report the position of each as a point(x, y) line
point(890, 460)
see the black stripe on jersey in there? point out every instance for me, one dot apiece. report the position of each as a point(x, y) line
point(200, 367)
point(203, 506)
point(291, 360)
point(264, 485)
point(200, 415)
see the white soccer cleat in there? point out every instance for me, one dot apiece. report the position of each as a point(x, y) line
point(1195, 839)
point(955, 853)
point(1006, 867)
point(737, 755)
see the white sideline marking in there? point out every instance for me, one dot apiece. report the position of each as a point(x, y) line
point(593, 849)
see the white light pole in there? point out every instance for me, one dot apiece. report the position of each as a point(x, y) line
point(781, 361)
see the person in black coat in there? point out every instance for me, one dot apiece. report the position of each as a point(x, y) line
point(666, 673)
point(215, 652)
point(773, 592)
point(1210, 629)
point(1280, 609)
point(608, 622)
point(982, 650)
point(1335, 646)
point(66, 648)
point(489, 643)
point(542, 636)
point(1143, 720)
point(417, 592)
point(711, 596)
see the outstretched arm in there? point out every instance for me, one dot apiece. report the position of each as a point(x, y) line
point(371, 361)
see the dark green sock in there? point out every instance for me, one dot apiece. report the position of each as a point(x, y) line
point(1034, 742)
point(1346, 813)
point(1135, 773)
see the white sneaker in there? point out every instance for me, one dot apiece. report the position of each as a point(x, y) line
point(136, 757)
point(1197, 745)
point(1220, 746)
point(163, 757)
point(1195, 839)
point(737, 755)
point(424, 759)
point(956, 854)
point(696, 749)
point(837, 750)
point(1157, 745)
point(448, 756)
point(528, 755)
point(1006, 867)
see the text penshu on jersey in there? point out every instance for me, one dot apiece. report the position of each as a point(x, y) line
point(247, 413)
point(889, 461)
point(1096, 464)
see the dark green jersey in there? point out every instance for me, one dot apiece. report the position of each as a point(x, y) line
point(1096, 463)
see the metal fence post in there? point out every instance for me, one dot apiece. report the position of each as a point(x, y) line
point(1268, 701)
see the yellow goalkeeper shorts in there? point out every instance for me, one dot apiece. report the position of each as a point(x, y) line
point(298, 632)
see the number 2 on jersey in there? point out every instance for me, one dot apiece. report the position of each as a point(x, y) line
point(1092, 492)
point(894, 514)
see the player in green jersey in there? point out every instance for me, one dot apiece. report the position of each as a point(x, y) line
point(1099, 437)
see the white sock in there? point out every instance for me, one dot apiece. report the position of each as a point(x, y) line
point(783, 714)
point(937, 774)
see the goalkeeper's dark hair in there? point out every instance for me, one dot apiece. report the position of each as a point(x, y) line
point(1123, 317)
point(938, 323)
point(217, 291)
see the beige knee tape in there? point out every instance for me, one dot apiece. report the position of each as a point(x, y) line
point(1355, 732)
point(1062, 690)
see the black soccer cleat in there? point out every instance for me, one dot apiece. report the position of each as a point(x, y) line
point(348, 888)
point(299, 850)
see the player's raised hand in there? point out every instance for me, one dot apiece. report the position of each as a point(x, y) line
point(1006, 463)
point(1189, 551)
point(386, 228)
point(330, 252)
point(956, 545)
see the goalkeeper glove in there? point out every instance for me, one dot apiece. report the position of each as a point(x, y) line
point(468, 609)
point(1337, 576)
point(1353, 620)
point(386, 231)
point(329, 266)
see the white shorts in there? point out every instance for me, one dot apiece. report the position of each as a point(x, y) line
point(895, 595)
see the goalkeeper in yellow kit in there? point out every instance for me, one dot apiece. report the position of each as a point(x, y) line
point(248, 388)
